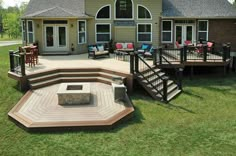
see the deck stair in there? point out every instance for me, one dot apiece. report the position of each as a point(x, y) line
point(153, 84)
point(51, 77)
point(155, 81)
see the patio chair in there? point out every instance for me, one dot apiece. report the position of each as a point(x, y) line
point(210, 47)
point(145, 47)
point(177, 45)
point(187, 42)
point(149, 54)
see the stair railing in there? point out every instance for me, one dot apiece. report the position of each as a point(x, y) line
point(140, 66)
point(178, 76)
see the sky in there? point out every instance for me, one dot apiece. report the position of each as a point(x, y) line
point(7, 3)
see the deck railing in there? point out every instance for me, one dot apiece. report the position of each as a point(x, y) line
point(17, 62)
point(190, 54)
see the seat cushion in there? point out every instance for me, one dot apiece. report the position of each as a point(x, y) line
point(101, 52)
point(119, 46)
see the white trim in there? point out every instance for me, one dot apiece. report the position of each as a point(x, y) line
point(101, 9)
point(171, 31)
point(184, 32)
point(144, 33)
point(124, 18)
point(207, 31)
point(85, 31)
point(139, 5)
point(28, 32)
point(56, 46)
point(100, 33)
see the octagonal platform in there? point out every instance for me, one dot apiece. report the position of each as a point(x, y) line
point(39, 109)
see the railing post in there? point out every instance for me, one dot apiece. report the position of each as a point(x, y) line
point(181, 55)
point(229, 49)
point(165, 88)
point(185, 53)
point(204, 52)
point(154, 55)
point(12, 63)
point(180, 85)
point(136, 62)
point(131, 63)
point(22, 63)
point(224, 52)
point(160, 56)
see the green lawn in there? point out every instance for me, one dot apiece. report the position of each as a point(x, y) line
point(201, 121)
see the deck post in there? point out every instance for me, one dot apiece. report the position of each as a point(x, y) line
point(229, 49)
point(154, 55)
point(136, 62)
point(22, 64)
point(185, 53)
point(180, 86)
point(165, 90)
point(225, 49)
point(160, 56)
point(181, 55)
point(11, 56)
point(204, 52)
point(131, 63)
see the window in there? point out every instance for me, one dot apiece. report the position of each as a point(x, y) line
point(124, 9)
point(103, 32)
point(203, 30)
point(103, 13)
point(143, 13)
point(81, 32)
point(144, 33)
point(29, 25)
point(167, 31)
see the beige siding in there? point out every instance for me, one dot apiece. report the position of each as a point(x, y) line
point(38, 36)
point(154, 6)
point(125, 34)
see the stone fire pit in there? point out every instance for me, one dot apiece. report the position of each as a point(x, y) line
point(73, 93)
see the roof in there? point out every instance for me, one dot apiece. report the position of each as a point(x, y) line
point(198, 9)
point(55, 8)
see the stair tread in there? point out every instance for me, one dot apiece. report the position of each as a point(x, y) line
point(173, 94)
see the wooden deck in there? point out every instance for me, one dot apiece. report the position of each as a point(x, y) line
point(39, 109)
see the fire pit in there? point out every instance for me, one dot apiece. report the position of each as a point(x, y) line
point(73, 93)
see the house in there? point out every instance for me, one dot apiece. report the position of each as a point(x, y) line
point(213, 20)
point(69, 26)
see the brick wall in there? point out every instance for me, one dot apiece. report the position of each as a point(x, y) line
point(223, 31)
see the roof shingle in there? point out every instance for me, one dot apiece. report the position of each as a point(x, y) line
point(198, 9)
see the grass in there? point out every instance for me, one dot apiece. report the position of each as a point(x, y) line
point(201, 121)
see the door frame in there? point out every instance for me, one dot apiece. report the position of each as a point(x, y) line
point(184, 26)
point(56, 46)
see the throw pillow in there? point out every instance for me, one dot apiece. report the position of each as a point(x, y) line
point(145, 47)
point(95, 49)
point(119, 46)
point(90, 48)
point(130, 46)
point(100, 48)
point(151, 50)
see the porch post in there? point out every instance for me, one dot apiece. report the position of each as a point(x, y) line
point(185, 53)
point(136, 63)
point(181, 55)
point(165, 88)
point(204, 52)
point(22, 63)
point(11, 56)
point(180, 86)
point(224, 52)
point(154, 56)
point(131, 63)
point(160, 56)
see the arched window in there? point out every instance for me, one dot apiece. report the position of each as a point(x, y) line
point(124, 9)
point(143, 13)
point(104, 12)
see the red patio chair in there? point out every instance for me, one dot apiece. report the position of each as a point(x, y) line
point(177, 44)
